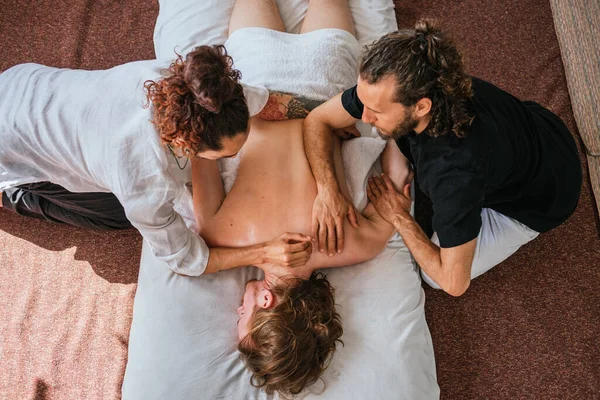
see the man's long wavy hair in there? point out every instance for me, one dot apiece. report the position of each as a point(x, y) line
point(290, 345)
point(199, 102)
point(426, 64)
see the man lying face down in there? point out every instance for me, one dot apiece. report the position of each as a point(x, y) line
point(288, 326)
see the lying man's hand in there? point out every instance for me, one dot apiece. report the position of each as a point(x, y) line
point(387, 201)
point(288, 250)
point(329, 211)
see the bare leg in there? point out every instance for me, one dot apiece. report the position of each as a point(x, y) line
point(255, 13)
point(208, 191)
point(323, 14)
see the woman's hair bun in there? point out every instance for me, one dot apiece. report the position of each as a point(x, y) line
point(210, 76)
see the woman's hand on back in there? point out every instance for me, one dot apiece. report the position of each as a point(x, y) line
point(289, 250)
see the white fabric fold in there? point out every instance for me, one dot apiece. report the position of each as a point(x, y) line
point(316, 65)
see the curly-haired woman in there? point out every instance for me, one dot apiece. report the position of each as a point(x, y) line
point(103, 149)
point(498, 170)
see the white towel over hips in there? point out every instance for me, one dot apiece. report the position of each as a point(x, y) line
point(316, 65)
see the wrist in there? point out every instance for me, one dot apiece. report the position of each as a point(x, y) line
point(260, 254)
point(328, 186)
point(400, 219)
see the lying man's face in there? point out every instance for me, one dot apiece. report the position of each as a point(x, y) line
point(280, 321)
point(257, 295)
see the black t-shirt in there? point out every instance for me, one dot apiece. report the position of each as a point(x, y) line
point(517, 158)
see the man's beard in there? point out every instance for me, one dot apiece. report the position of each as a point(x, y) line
point(403, 128)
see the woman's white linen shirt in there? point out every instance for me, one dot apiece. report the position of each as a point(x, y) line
point(91, 131)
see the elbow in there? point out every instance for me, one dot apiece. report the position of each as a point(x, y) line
point(310, 122)
point(457, 290)
point(455, 285)
point(315, 119)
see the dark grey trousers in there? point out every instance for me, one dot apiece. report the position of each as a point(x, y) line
point(46, 200)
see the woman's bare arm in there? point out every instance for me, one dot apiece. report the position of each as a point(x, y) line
point(208, 192)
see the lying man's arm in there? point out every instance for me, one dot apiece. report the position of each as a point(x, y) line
point(330, 207)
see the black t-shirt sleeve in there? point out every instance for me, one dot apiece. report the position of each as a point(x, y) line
point(457, 192)
point(352, 103)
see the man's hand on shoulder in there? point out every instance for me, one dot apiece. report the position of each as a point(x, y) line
point(330, 209)
point(389, 203)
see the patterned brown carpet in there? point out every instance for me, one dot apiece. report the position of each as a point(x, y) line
point(527, 329)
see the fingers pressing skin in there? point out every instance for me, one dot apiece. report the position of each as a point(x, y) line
point(314, 230)
point(370, 194)
point(380, 185)
point(299, 259)
point(289, 249)
point(298, 247)
point(352, 217)
point(330, 208)
point(289, 236)
point(386, 199)
point(339, 230)
point(330, 239)
point(322, 237)
point(374, 188)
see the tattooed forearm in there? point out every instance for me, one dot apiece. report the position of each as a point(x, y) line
point(282, 106)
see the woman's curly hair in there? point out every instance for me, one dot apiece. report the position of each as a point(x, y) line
point(425, 63)
point(199, 102)
point(290, 345)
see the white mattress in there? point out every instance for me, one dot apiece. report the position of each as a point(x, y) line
point(183, 337)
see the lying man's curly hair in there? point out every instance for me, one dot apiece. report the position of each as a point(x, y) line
point(425, 63)
point(290, 345)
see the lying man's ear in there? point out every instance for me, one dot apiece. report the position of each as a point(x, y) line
point(266, 299)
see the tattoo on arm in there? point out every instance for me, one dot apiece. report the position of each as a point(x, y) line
point(282, 106)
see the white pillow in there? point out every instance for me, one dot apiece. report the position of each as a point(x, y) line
point(183, 337)
point(184, 24)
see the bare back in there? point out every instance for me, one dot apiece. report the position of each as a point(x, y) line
point(274, 193)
